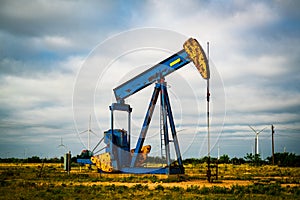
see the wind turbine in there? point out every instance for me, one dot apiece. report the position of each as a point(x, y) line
point(89, 131)
point(61, 144)
point(256, 138)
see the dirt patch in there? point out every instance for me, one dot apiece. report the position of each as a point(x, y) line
point(200, 183)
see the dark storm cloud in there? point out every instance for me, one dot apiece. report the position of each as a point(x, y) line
point(49, 31)
point(37, 18)
point(35, 35)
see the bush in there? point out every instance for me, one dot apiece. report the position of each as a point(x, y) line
point(219, 190)
point(193, 189)
point(176, 189)
point(160, 187)
point(140, 187)
point(110, 187)
point(237, 189)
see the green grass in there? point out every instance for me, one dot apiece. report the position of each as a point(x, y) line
point(31, 190)
point(24, 182)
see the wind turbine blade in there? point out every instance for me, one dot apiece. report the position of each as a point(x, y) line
point(261, 130)
point(181, 130)
point(84, 131)
point(252, 129)
point(93, 132)
point(61, 145)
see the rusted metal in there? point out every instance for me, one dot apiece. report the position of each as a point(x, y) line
point(197, 55)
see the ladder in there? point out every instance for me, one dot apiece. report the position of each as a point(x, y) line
point(162, 137)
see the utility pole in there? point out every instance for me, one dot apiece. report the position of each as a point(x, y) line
point(208, 127)
point(273, 159)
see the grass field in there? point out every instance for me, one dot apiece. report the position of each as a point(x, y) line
point(49, 181)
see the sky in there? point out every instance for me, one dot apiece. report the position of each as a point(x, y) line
point(60, 60)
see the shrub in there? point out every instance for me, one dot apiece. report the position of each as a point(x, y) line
point(140, 187)
point(176, 189)
point(159, 187)
point(110, 187)
point(237, 189)
point(204, 190)
point(219, 190)
point(193, 189)
point(153, 179)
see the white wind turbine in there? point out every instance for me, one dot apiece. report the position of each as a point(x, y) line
point(62, 145)
point(89, 131)
point(256, 138)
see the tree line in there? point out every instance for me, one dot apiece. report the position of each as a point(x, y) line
point(34, 159)
point(281, 159)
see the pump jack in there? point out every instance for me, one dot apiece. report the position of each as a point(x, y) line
point(118, 157)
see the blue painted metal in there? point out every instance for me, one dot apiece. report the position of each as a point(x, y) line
point(167, 113)
point(151, 75)
point(155, 73)
point(117, 147)
point(146, 123)
point(121, 107)
point(165, 122)
point(151, 170)
point(147, 170)
point(173, 130)
point(84, 161)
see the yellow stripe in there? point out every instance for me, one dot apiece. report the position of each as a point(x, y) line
point(175, 62)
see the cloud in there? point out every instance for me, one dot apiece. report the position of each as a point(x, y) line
point(35, 108)
point(40, 30)
point(37, 18)
point(254, 48)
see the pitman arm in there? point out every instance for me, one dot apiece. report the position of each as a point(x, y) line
point(192, 51)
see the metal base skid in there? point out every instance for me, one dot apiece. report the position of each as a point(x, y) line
point(149, 170)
